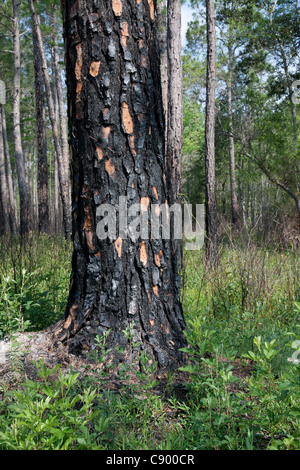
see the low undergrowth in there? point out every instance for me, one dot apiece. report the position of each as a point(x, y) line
point(239, 390)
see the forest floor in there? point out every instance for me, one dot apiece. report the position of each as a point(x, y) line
point(20, 354)
point(238, 391)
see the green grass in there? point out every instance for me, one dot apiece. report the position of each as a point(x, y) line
point(239, 391)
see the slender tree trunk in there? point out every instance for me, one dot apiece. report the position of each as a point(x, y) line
point(35, 193)
point(17, 124)
point(163, 55)
point(56, 197)
point(174, 115)
point(11, 193)
point(57, 211)
point(60, 101)
point(28, 166)
point(233, 185)
point(3, 185)
point(210, 183)
point(290, 95)
point(63, 178)
point(174, 121)
point(116, 122)
point(43, 201)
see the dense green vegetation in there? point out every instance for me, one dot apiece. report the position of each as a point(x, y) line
point(239, 391)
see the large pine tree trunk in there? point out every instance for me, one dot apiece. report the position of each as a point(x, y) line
point(17, 123)
point(117, 136)
point(210, 182)
point(63, 177)
point(43, 202)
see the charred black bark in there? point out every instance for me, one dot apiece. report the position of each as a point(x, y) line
point(116, 130)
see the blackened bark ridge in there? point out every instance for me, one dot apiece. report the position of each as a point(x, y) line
point(116, 133)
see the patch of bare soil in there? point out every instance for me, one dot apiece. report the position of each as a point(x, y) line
point(18, 357)
point(24, 349)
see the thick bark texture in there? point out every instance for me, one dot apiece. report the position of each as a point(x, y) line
point(63, 177)
point(43, 203)
point(210, 183)
point(17, 124)
point(117, 141)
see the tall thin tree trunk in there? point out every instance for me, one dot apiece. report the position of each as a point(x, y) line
point(43, 200)
point(119, 283)
point(63, 178)
point(174, 113)
point(3, 186)
point(35, 192)
point(161, 9)
point(57, 211)
point(56, 197)
point(233, 185)
point(17, 124)
point(11, 192)
point(210, 182)
point(60, 100)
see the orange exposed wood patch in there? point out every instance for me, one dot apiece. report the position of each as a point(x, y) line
point(88, 229)
point(155, 290)
point(143, 254)
point(67, 322)
point(144, 204)
point(99, 153)
point(124, 33)
point(117, 6)
point(131, 143)
point(78, 67)
point(78, 64)
point(155, 192)
point(157, 259)
point(127, 119)
point(110, 168)
point(78, 90)
point(141, 43)
point(151, 6)
point(94, 69)
point(118, 246)
point(72, 315)
point(151, 322)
